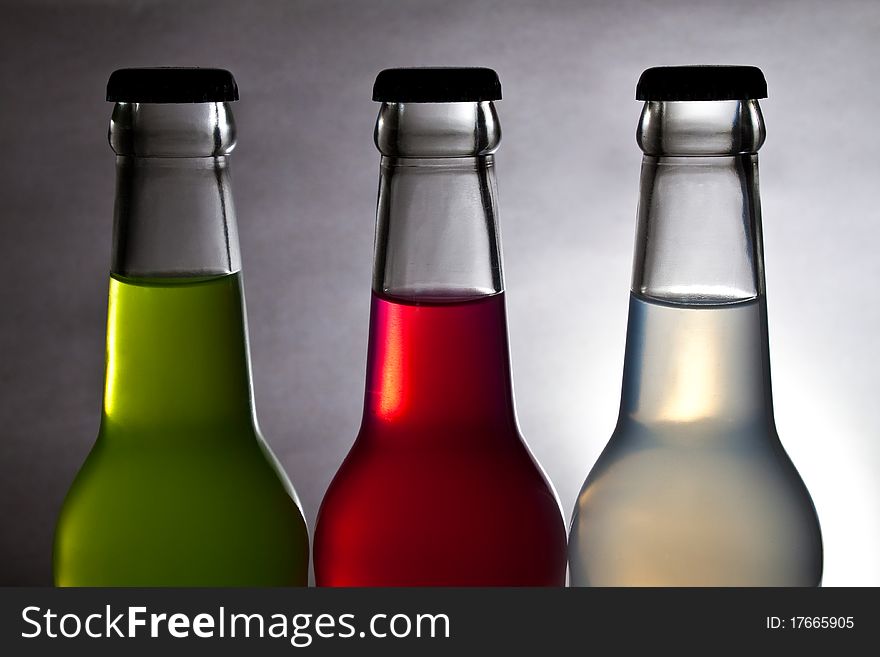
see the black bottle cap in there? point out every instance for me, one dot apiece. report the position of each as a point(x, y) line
point(436, 85)
point(701, 83)
point(171, 85)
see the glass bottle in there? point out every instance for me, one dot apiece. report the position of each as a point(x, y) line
point(694, 488)
point(180, 488)
point(439, 488)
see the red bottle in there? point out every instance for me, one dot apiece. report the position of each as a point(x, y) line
point(439, 488)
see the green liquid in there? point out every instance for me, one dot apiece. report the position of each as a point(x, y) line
point(180, 488)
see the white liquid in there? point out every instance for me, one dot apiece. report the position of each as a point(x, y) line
point(694, 487)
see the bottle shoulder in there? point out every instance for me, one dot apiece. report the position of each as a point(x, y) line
point(185, 515)
point(694, 509)
point(179, 472)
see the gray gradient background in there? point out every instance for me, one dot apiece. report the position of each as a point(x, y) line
point(305, 176)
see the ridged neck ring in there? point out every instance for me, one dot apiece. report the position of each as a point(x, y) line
point(427, 130)
point(700, 128)
point(172, 129)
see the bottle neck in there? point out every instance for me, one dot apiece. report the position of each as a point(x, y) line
point(174, 215)
point(438, 354)
point(437, 220)
point(436, 230)
point(697, 335)
point(698, 236)
point(177, 352)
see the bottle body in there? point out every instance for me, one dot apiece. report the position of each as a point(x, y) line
point(694, 487)
point(700, 492)
point(439, 488)
point(180, 489)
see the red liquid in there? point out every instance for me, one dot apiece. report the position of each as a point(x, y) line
point(439, 488)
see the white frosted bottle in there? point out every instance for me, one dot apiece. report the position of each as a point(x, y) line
point(694, 487)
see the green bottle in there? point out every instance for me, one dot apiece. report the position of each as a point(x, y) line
point(180, 488)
